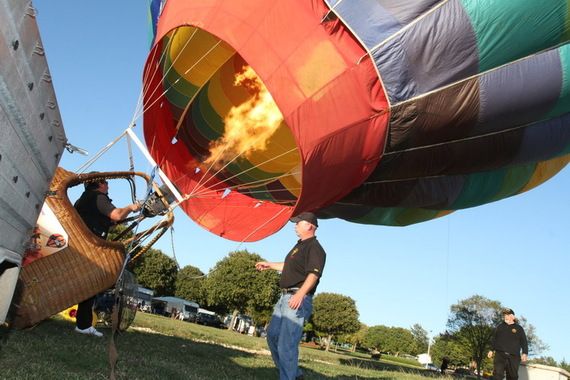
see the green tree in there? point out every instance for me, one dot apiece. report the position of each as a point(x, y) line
point(473, 321)
point(235, 285)
point(309, 331)
point(375, 337)
point(400, 340)
point(261, 316)
point(190, 285)
point(420, 339)
point(394, 340)
point(450, 346)
point(357, 338)
point(156, 271)
point(334, 315)
point(117, 230)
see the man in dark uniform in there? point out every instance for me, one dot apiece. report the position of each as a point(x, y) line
point(300, 275)
point(508, 341)
point(99, 214)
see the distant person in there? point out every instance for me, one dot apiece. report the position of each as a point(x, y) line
point(300, 275)
point(99, 214)
point(508, 342)
point(444, 364)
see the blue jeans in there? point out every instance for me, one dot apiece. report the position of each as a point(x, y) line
point(284, 334)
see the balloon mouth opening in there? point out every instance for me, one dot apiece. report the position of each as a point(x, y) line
point(228, 121)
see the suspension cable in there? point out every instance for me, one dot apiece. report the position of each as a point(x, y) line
point(90, 162)
point(196, 190)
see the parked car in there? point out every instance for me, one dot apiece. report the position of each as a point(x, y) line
point(208, 319)
point(432, 367)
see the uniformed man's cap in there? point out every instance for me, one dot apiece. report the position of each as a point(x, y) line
point(508, 311)
point(307, 217)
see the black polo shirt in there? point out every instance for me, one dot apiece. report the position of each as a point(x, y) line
point(307, 256)
point(510, 338)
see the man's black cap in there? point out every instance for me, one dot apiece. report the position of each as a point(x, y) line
point(508, 311)
point(307, 217)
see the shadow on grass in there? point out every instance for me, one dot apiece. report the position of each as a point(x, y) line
point(5, 333)
point(51, 350)
point(383, 366)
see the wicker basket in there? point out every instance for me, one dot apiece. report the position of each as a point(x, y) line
point(87, 266)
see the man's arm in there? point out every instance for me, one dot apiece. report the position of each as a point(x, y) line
point(116, 214)
point(121, 213)
point(493, 342)
point(524, 346)
point(264, 265)
point(296, 299)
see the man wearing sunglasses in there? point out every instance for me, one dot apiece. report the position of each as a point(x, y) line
point(99, 214)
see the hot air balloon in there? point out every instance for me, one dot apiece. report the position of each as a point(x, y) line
point(373, 111)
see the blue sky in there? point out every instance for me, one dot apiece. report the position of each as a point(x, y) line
point(516, 251)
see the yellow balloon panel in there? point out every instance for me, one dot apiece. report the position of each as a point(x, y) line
point(196, 55)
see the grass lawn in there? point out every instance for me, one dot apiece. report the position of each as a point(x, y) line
point(155, 347)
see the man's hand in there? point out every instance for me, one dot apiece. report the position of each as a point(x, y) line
point(490, 354)
point(524, 358)
point(262, 265)
point(296, 300)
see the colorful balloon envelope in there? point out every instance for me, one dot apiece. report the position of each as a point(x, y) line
point(373, 111)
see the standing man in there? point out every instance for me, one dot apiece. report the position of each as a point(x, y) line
point(300, 274)
point(508, 341)
point(99, 214)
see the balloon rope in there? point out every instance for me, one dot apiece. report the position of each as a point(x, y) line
point(249, 185)
point(139, 107)
point(90, 162)
point(197, 190)
point(134, 245)
point(157, 64)
point(199, 185)
point(146, 107)
point(157, 69)
point(402, 179)
point(241, 242)
point(171, 86)
point(183, 116)
point(175, 82)
point(261, 226)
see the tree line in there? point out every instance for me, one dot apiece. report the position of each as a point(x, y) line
point(234, 286)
